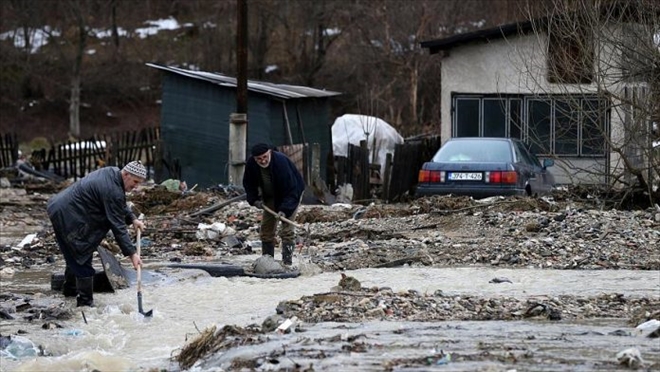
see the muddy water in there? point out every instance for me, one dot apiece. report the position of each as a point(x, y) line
point(117, 338)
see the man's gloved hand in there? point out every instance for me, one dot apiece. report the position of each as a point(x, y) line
point(281, 215)
point(259, 204)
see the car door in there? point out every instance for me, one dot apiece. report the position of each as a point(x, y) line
point(542, 182)
point(529, 168)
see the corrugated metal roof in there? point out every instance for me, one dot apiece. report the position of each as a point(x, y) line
point(277, 90)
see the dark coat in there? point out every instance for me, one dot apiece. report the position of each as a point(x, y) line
point(288, 184)
point(83, 213)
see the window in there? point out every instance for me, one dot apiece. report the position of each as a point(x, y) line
point(572, 126)
point(539, 121)
point(568, 126)
point(478, 116)
point(467, 112)
point(494, 117)
point(570, 52)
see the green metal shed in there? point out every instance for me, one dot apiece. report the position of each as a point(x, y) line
point(194, 123)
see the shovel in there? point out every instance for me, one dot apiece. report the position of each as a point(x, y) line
point(139, 279)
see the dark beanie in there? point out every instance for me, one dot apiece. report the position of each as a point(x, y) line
point(259, 149)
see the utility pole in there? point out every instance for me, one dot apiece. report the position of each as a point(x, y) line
point(238, 120)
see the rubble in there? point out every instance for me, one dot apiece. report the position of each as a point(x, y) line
point(547, 233)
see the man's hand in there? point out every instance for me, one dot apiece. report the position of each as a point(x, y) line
point(138, 224)
point(281, 215)
point(136, 260)
point(259, 204)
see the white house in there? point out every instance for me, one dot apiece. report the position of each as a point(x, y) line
point(510, 81)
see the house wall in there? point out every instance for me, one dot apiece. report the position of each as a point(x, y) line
point(517, 65)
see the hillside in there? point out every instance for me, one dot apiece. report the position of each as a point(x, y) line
point(367, 50)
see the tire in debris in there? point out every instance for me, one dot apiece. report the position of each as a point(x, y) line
point(214, 270)
point(284, 275)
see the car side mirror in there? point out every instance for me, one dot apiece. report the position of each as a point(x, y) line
point(548, 163)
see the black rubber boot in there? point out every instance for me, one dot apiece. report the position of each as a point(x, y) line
point(268, 249)
point(69, 285)
point(287, 253)
point(85, 287)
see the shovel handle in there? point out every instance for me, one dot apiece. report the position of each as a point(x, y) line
point(139, 268)
point(282, 218)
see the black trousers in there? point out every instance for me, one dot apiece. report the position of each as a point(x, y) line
point(84, 270)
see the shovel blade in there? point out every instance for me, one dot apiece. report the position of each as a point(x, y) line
point(140, 309)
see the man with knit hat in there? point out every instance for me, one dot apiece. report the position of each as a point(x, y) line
point(83, 213)
point(273, 180)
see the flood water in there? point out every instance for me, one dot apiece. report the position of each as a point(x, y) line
point(117, 338)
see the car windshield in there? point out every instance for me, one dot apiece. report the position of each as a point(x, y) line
point(474, 151)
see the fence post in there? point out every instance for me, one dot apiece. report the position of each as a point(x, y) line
point(386, 177)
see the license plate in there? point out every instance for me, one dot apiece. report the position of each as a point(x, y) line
point(465, 176)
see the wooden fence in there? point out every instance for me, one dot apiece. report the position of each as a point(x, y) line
point(398, 178)
point(75, 159)
point(8, 150)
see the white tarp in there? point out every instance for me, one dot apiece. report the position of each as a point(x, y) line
point(351, 129)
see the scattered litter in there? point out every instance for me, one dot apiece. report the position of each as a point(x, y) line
point(289, 323)
point(630, 357)
point(27, 240)
point(213, 231)
point(649, 328)
point(500, 280)
point(19, 347)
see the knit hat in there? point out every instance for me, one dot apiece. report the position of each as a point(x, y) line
point(259, 149)
point(136, 168)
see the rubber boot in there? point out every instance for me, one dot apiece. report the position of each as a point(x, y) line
point(85, 287)
point(69, 285)
point(268, 249)
point(287, 253)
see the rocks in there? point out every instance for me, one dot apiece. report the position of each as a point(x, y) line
point(375, 304)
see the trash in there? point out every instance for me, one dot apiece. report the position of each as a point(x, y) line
point(500, 280)
point(630, 357)
point(232, 241)
point(444, 360)
point(650, 328)
point(19, 347)
point(27, 240)
point(145, 242)
point(287, 324)
point(72, 332)
point(213, 231)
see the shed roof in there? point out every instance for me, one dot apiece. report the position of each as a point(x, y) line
point(499, 32)
point(277, 90)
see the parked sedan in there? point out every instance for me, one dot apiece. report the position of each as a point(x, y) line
point(482, 167)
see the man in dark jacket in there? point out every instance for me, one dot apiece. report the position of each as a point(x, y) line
point(82, 215)
point(273, 180)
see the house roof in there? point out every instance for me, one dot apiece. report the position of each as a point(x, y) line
point(499, 32)
point(619, 10)
point(277, 90)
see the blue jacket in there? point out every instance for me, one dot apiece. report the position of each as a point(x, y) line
point(288, 184)
point(85, 211)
